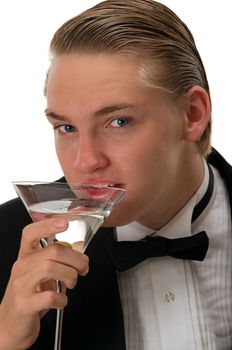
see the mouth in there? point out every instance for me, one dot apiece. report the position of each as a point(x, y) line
point(103, 184)
point(103, 190)
point(116, 186)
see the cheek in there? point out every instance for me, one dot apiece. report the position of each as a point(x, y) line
point(150, 159)
point(144, 152)
point(135, 162)
point(64, 156)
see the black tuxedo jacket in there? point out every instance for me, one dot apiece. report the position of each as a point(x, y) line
point(93, 319)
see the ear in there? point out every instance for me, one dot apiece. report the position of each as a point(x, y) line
point(198, 110)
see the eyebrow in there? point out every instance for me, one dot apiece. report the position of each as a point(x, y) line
point(54, 115)
point(101, 112)
point(113, 108)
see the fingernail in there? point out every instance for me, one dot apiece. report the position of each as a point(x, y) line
point(60, 223)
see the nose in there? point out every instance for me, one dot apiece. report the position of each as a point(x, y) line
point(90, 155)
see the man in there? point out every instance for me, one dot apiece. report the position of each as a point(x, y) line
point(128, 98)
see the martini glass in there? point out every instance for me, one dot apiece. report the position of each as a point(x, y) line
point(84, 206)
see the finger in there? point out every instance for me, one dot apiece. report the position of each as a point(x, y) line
point(53, 253)
point(33, 233)
point(50, 300)
point(39, 302)
point(67, 256)
point(79, 246)
point(50, 270)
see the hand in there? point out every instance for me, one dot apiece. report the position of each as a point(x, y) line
point(31, 289)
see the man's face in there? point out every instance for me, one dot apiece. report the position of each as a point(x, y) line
point(112, 129)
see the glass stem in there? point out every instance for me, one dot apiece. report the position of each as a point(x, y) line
point(59, 320)
point(59, 312)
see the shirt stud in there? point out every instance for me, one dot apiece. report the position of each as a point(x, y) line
point(170, 297)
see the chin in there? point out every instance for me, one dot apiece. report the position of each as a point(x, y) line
point(119, 220)
point(123, 214)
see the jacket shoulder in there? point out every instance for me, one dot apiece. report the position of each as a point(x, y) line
point(220, 163)
point(13, 218)
point(225, 170)
point(14, 214)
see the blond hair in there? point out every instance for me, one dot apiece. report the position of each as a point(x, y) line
point(146, 29)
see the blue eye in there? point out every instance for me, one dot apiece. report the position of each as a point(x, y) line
point(119, 122)
point(67, 128)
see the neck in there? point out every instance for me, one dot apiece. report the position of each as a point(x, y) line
point(184, 185)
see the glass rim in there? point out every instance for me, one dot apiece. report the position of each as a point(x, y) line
point(70, 184)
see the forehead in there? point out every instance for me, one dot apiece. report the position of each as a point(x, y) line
point(86, 70)
point(89, 82)
point(87, 76)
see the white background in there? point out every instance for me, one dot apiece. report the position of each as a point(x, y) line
point(26, 28)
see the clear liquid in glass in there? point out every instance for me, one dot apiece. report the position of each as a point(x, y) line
point(83, 217)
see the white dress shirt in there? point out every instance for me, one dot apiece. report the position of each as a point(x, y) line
point(173, 304)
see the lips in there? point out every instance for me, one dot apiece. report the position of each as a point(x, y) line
point(103, 183)
point(101, 192)
point(100, 189)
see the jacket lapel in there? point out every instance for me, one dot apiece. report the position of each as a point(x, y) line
point(225, 171)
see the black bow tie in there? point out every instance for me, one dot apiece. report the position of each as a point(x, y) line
point(126, 254)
